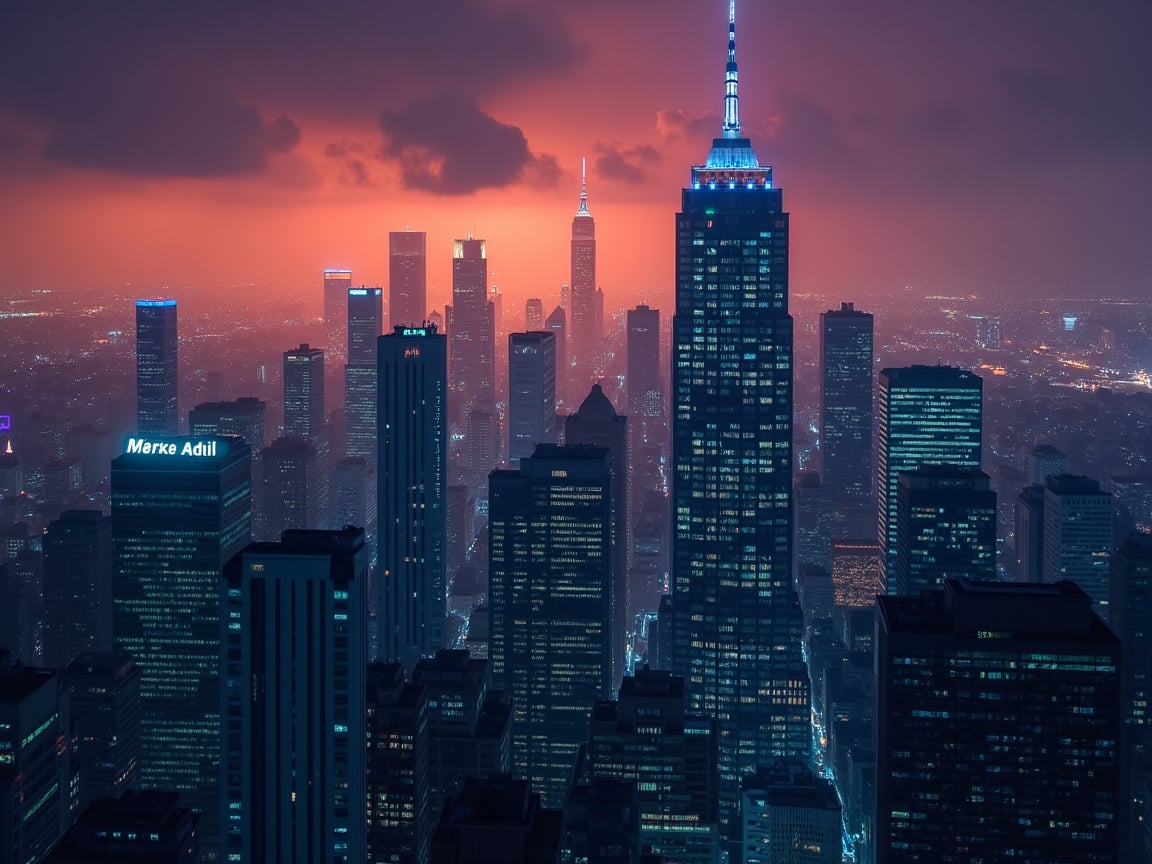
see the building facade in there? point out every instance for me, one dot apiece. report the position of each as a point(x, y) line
point(408, 277)
point(157, 371)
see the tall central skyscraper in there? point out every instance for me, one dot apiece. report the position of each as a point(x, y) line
point(412, 476)
point(737, 628)
point(584, 336)
point(531, 392)
point(408, 277)
point(846, 406)
point(472, 330)
point(336, 285)
point(365, 325)
point(156, 368)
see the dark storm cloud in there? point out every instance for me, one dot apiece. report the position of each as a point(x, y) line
point(446, 145)
point(155, 88)
point(352, 159)
point(617, 161)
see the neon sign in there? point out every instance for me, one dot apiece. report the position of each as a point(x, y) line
point(179, 447)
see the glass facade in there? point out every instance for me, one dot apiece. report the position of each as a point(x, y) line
point(176, 520)
point(928, 415)
point(156, 368)
point(365, 325)
point(846, 402)
point(408, 277)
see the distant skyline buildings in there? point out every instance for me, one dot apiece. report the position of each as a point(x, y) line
point(157, 369)
point(471, 331)
point(927, 415)
point(335, 287)
point(644, 379)
point(412, 437)
point(846, 387)
point(407, 277)
point(585, 339)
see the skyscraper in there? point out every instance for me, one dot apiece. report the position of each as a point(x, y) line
point(645, 392)
point(929, 415)
point(138, 827)
point(303, 393)
point(1029, 534)
point(411, 485)
point(945, 527)
point(408, 277)
point(648, 737)
point(731, 409)
point(472, 330)
point(1045, 460)
point(856, 573)
point(104, 689)
point(78, 568)
point(550, 592)
point(596, 424)
point(157, 372)
point(1078, 535)
point(534, 314)
point(531, 393)
point(585, 340)
point(791, 815)
point(181, 508)
point(293, 663)
point(997, 726)
point(846, 405)
point(290, 496)
point(365, 325)
point(556, 324)
point(246, 417)
point(336, 285)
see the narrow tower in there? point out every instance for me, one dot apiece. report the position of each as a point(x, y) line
point(585, 340)
point(737, 624)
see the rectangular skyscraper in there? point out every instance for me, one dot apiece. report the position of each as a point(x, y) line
point(246, 417)
point(78, 567)
point(293, 658)
point(336, 285)
point(929, 415)
point(737, 626)
point(645, 393)
point(846, 406)
point(157, 372)
point(412, 480)
point(408, 277)
point(472, 330)
point(303, 392)
point(1078, 535)
point(365, 325)
point(550, 593)
point(531, 393)
point(997, 726)
point(181, 508)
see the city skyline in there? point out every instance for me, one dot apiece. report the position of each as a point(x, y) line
point(999, 117)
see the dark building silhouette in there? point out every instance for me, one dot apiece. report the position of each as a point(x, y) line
point(531, 392)
point(139, 827)
point(246, 417)
point(997, 726)
point(497, 819)
point(469, 724)
point(483, 448)
point(353, 500)
point(945, 527)
point(791, 815)
point(585, 341)
point(157, 372)
point(813, 501)
point(291, 488)
point(596, 424)
point(471, 331)
point(550, 593)
point(411, 485)
point(533, 314)
point(181, 508)
point(407, 277)
point(645, 388)
point(304, 420)
point(104, 689)
point(78, 567)
point(731, 408)
point(400, 822)
point(601, 822)
point(336, 285)
point(928, 415)
point(846, 409)
point(36, 803)
point(648, 737)
point(1029, 534)
point(1078, 535)
point(365, 326)
point(293, 663)
point(1046, 461)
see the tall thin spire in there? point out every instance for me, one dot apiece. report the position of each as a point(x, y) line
point(731, 76)
point(583, 209)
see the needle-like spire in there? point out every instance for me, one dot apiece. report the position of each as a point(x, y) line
point(583, 209)
point(731, 77)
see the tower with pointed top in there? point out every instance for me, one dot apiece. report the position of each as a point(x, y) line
point(737, 623)
point(584, 338)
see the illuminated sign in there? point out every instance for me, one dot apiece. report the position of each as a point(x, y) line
point(168, 447)
point(414, 331)
point(357, 292)
point(155, 302)
point(5, 422)
point(338, 274)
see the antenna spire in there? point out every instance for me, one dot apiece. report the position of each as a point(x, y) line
point(731, 76)
point(583, 209)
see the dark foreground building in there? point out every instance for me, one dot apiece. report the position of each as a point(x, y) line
point(997, 726)
point(149, 827)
